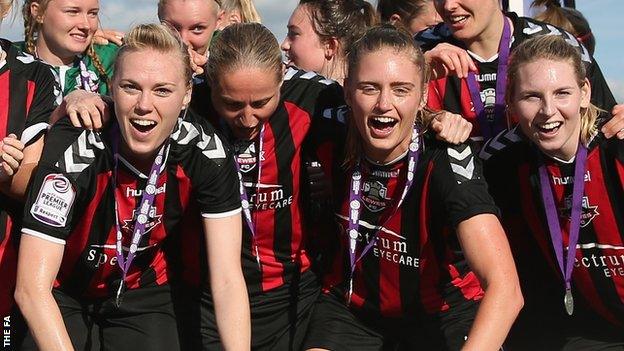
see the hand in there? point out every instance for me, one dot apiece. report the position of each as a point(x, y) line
point(446, 59)
point(11, 157)
point(198, 61)
point(451, 127)
point(104, 36)
point(85, 109)
point(615, 126)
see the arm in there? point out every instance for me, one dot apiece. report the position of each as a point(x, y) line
point(38, 264)
point(17, 187)
point(487, 252)
point(223, 242)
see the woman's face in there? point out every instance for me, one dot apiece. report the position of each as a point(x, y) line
point(547, 102)
point(67, 26)
point(468, 19)
point(302, 45)
point(195, 20)
point(385, 93)
point(428, 18)
point(245, 98)
point(148, 99)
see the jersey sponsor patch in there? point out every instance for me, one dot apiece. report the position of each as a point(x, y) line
point(54, 201)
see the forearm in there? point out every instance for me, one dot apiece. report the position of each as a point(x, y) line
point(232, 311)
point(497, 312)
point(16, 187)
point(44, 319)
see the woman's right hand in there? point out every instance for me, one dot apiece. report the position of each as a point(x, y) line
point(446, 59)
point(84, 109)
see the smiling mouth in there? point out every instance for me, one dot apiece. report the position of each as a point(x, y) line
point(549, 128)
point(143, 125)
point(458, 19)
point(382, 124)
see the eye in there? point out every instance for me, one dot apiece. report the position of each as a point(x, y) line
point(128, 87)
point(93, 13)
point(369, 89)
point(402, 91)
point(198, 29)
point(260, 104)
point(563, 93)
point(292, 34)
point(72, 11)
point(163, 92)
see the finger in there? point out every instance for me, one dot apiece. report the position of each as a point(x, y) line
point(465, 134)
point(13, 142)
point(620, 134)
point(13, 152)
point(465, 61)
point(73, 117)
point(613, 126)
point(13, 163)
point(94, 117)
point(6, 171)
point(100, 41)
point(85, 118)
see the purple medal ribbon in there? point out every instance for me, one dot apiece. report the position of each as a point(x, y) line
point(575, 220)
point(355, 195)
point(147, 200)
point(489, 130)
point(245, 200)
point(84, 77)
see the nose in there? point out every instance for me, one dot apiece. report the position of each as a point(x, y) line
point(384, 101)
point(447, 5)
point(285, 44)
point(185, 36)
point(144, 104)
point(247, 117)
point(84, 22)
point(548, 106)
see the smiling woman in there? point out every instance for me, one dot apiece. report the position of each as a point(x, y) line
point(92, 268)
point(60, 33)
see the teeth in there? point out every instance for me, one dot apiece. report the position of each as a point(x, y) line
point(143, 122)
point(456, 19)
point(551, 125)
point(384, 119)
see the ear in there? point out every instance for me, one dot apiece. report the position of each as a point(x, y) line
point(187, 97)
point(394, 19)
point(585, 93)
point(35, 12)
point(332, 48)
point(220, 20)
point(234, 17)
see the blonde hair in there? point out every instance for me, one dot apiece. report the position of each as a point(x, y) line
point(243, 45)
point(31, 32)
point(5, 7)
point(554, 48)
point(158, 37)
point(401, 42)
point(246, 9)
point(163, 3)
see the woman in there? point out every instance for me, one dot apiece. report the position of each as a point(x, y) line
point(413, 15)
point(419, 232)
point(569, 19)
point(320, 31)
point(560, 184)
point(470, 50)
point(92, 272)
point(27, 90)
point(60, 33)
point(238, 11)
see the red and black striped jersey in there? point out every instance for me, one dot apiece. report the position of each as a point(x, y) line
point(452, 94)
point(416, 266)
point(277, 208)
point(511, 168)
point(71, 202)
point(26, 101)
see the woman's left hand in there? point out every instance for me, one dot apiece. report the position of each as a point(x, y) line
point(105, 36)
point(12, 156)
point(451, 127)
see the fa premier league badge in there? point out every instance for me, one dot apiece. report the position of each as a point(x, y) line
point(54, 200)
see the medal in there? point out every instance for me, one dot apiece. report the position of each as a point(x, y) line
point(355, 195)
point(554, 228)
point(489, 130)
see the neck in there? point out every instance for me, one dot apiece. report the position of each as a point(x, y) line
point(385, 157)
point(44, 53)
point(143, 163)
point(567, 152)
point(335, 70)
point(486, 44)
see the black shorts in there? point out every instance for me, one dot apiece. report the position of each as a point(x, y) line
point(279, 318)
point(336, 327)
point(145, 320)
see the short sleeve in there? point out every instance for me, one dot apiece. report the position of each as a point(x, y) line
point(458, 183)
point(42, 106)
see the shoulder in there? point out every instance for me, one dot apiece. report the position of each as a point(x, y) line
point(24, 62)
point(501, 144)
point(106, 52)
point(193, 140)
point(310, 90)
point(72, 149)
point(430, 37)
point(456, 159)
point(526, 28)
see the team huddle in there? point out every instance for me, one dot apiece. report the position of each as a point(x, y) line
point(427, 175)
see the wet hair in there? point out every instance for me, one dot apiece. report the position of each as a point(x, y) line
point(246, 9)
point(244, 45)
point(31, 32)
point(158, 37)
point(376, 39)
point(554, 48)
point(569, 19)
point(163, 3)
point(345, 20)
point(406, 9)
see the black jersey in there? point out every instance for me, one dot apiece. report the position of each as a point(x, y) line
point(598, 274)
point(452, 94)
point(26, 101)
point(277, 210)
point(416, 266)
point(72, 202)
